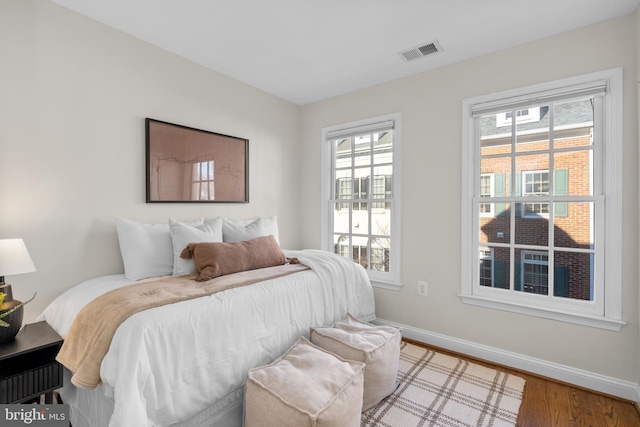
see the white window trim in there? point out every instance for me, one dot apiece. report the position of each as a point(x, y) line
point(612, 211)
point(392, 279)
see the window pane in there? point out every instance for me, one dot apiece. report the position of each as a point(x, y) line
point(343, 157)
point(211, 170)
point(381, 222)
point(494, 267)
point(532, 272)
point(360, 189)
point(360, 250)
point(499, 168)
point(532, 129)
point(532, 229)
point(573, 225)
point(573, 123)
point(341, 218)
point(360, 219)
point(380, 252)
point(495, 135)
point(573, 275)
point(536, 169)
point(383, 148)
point(343, 188)
point(341, 244)
point(363, 150)
point(497, 228)
point(573, 173)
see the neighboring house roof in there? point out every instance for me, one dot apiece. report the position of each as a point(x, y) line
point(574, 114)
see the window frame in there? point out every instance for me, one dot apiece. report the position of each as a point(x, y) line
point(392, 278)
point(608, 293)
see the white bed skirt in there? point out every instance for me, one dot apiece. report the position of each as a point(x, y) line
point(91, 408)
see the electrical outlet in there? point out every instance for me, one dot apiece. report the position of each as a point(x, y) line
point(423, 288)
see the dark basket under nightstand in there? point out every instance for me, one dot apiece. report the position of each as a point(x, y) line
point(28, 368)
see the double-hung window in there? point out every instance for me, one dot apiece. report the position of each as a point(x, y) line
point(360, 218)
point(541, 200)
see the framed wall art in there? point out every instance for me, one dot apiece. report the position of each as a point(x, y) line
point(194, 165)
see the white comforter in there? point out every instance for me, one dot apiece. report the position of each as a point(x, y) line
point(169, 363)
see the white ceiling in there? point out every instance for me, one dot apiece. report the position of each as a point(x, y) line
point(305, 51)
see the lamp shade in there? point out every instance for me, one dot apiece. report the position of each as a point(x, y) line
point(14, 258)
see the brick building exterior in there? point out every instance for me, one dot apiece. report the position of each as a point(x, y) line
point(562, 167)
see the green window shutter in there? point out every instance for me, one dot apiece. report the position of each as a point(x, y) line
point(499, 190)
point(561, 183)
point(517, 277)
point(560, 281)
point(499, 274)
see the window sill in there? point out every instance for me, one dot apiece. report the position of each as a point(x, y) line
point(599, 322)
point(392, 286)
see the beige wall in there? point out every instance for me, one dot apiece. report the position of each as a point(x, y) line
point(430, 107)
point(72, 106)
point(638, 162)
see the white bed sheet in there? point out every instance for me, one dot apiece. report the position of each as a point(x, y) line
point(170, 363)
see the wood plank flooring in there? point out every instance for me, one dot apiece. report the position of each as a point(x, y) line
point(549, 403)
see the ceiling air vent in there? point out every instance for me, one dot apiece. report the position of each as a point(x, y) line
point(422, 51)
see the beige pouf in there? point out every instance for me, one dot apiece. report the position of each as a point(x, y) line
point(307, 386)
point(376, 346)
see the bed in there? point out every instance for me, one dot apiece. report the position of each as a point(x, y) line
point(185, 364)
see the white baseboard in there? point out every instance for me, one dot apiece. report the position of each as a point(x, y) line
point(616, 387)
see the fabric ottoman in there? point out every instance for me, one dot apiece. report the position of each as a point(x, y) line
point(376, 346)
point(307, 386)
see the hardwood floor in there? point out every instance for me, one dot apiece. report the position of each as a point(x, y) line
point(549, 403)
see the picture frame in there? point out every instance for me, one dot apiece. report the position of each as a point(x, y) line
point(189, 165)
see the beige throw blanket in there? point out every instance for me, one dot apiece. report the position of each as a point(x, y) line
point(92, 330)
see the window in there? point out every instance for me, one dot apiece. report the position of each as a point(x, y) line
point(542, 202)
point(486, 190)
point(535, 183)
point(360, 218)
point(202, 187)
point(535, 273)
point(486, 267)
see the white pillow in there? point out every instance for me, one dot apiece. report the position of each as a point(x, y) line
point(237, 230)
point(146, 249)
point(182, 234)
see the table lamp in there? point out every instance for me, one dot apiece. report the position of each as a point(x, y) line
point(14, 259)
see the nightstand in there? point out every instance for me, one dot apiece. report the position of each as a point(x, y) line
point(28, 367)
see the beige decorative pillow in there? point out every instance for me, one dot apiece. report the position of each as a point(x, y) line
point(376, 346)
point(305, 387)
point(214, 259)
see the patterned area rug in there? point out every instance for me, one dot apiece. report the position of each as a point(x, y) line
point(439, 390)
